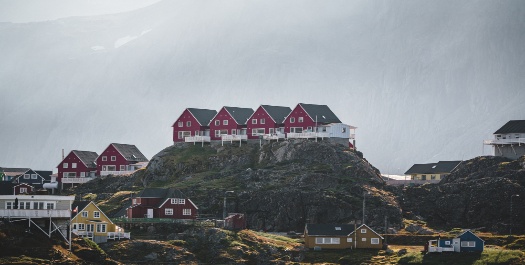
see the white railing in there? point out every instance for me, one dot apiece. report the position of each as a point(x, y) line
point(76, 180)
point(505, 141)
point(105, 173)
point(273, 136)
point(234, 137)
point(83, 233)
point(197, 139)
point(308, 135)
point(396, 182)
point(118, 235)
point(22, 213)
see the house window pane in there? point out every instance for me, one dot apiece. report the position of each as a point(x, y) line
point(300, 119)
point(186, 212)
point(113, 158)
point(73, 165)
point(182, 201)
point(254, 121)
point(188, 124)
point(292, 120)
point(168, 211)
point(96, 214)
point(262, 121)
point(374, 241)
point(65, 165)
point(225, 122)
point(33, 176)
point(217, 122)
point(84, 214)
point(180, 124)
point(349, 239)
point(104, 158)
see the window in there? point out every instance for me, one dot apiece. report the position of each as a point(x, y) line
point(50, 205)
point(23, 190)
point(65, 165)
point(262, 121)
point(469, 244)
point(338, 228)
point(82, 174)
point(225, 122)
point(9, 205)
point(217, 133)
point(27, 176)
point(168, 211)
point(180, 123)
point(254, 121)
point(257, 131)
point(81, 227)
point(134, 201)
point(296, 130)
point(271, 131)
point(186, 211)
point(113, 158)
point(96, 214)
point(182, 201)
point(174, 201)
point(85, 214)
point(374, 241)
point(447, 243)
point(33, 176)
point(90, 227)
point(234, 131)
point(349, 239)
point(122, 167)
point(327, 240)
point(38, 205)
point(217, 122)
point(300, 119)
point(363, 231)
point(104, 158)
point(24, 205)
point(73, 165)
point(309, 128)
point(364, 239)
point(343, 130)
point(101, 228)
point(292, 120)
point(432, 176)
point(188, 124)
point(183, 134)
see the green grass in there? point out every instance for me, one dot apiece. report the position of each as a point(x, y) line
point(278, 237)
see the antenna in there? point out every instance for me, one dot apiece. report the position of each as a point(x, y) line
point(62, 153)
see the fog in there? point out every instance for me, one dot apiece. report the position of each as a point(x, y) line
point(422, 80)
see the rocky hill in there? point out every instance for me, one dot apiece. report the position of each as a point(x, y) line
point(477, 195)
point(280, 185)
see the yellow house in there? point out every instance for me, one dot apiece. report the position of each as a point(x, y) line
point(341, 236)
point(89, 221)
point(432, 172)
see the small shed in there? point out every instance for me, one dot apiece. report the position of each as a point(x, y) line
point(235, 221)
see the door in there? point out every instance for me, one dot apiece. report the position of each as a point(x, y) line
point(150, 213)
point(455, 244)
point(89, 229)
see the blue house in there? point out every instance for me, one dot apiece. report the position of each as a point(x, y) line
point(465, 242)
point(469, 242)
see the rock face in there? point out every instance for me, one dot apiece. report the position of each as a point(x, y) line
point(280, 185)
point(477, 195)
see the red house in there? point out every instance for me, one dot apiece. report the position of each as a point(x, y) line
point(23, 188)
point(230, 124)
point(267, 121)
point(162, 203)
point(120, 159)
point(77, 164)
point(306, 117)
point(191, 123)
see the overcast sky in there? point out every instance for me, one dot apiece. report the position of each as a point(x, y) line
point(422, 80)
point(21, 11)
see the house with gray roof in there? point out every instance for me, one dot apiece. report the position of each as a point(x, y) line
point(161, 203)
point(229, 124)
point(268, 122)
point(193, 125)
point(77, 167)
point(341, 236)
point(509, 140)
point(432, 172)
point(120, 159)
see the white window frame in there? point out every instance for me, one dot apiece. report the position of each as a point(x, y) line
point(234, 131)
point(186, 211)
point(295, 129)
point(90, 227)
point(254, 121)
point(182, 201)
point(168, 211)
point(27, 176)
point(96, 214)
point(271, 130)
point(82, 174)
point(364, 239)
point(85, 214)
point(101, 228)
point(23, 190)
point(174, 201)
point(188, 123)
point(300, 120)
point(225, 122)
point(327, 240)
point(217, 133)
point(183, 134)
point(217, 122)
point(81, 226)
point(113, 158)
point(180, 124)
point(262, 121)
point(374, 241)
point(134, 201)
point(468, 244)
point(258, 131)
point(349, 239)
point(122, 167)
point(9, 205)
point(65, 165)
point(363, 231)
point(73, 165)
point(104, 158)
point(33, 176)
point(292, 120)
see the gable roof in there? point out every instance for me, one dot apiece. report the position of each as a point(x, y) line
point(13, 172)
point(470, 232)
point(329, 229)
point(240, 115)
point(368, 229)
point(81, 206)
point(321, 113)
point(130, 152)
point(433, 168)
point(123, 211)
point(514, 126)
point(203, 116)
point(87, 157)
point(277, 113)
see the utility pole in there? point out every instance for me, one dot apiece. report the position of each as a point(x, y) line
point(224, 210)
point(364, 202)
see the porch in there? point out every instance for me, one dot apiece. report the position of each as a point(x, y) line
point(76, 180)
point(197, 139)
point(30, 213)
point(308, 135)
point(116, 173)
point(233, 138)
point(273, 136)
point(511, 141)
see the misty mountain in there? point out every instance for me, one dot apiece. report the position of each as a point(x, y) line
point(422, 80)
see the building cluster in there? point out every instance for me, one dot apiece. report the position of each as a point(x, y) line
point(307, 121)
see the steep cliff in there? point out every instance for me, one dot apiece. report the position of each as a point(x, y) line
point(280, 185)
point(477, 195)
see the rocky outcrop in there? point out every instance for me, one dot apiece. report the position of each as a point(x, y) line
point(280, 185)
point(477, 195)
